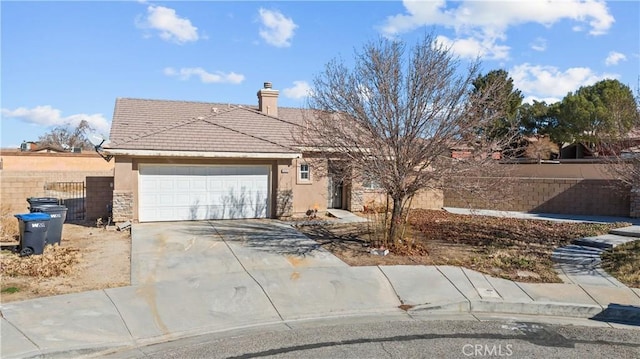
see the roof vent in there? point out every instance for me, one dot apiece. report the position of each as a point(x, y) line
point(267, 85)
point(214, 109)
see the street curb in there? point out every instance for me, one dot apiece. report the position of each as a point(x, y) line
point(461, 306)
point(613, 313)
point(629, 315)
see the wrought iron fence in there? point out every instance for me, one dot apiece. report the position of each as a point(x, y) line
point(72, 195)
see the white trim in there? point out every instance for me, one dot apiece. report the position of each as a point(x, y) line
point(161, 153)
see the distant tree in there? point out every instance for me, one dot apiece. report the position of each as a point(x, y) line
point(395, 115)
point(541, 148)
point(537, 118)
point(66, 137)
point(510, 97)
point(596, 113)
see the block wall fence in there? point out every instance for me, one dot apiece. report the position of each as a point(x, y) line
point(17, 186)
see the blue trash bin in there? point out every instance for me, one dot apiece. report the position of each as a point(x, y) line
point(33, 232)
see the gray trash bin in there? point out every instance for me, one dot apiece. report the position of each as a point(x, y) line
point(58, 215)
point(33, 232)
point(36, 201)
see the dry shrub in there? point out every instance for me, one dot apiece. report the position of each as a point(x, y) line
point(55, 261)
point(8, 224)
point(372, 206)
point(623, 262)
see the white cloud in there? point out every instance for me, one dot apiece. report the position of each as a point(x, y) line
point(276, 30)
point(49, 117)
point(539, 44)
point(300, 89)
point(549, 82)
point(186, 73)
point(471, 48)
point(548, 100)
point(170, 26)
point(486, 22)
point(614, 58)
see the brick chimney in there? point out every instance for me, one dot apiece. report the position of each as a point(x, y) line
point(268, 100)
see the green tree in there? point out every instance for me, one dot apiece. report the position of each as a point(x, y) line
point(537, 118)
point(499, 82)
point(596, 113)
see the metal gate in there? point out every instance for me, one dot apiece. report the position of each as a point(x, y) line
point(71, 195)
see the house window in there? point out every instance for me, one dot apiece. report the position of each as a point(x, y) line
point(304, 172)
point(369, 182)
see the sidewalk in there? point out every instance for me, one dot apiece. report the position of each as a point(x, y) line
point(544, 216)
point(90, 322)
point(201, 281)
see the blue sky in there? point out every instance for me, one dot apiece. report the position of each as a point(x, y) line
point(67, 61)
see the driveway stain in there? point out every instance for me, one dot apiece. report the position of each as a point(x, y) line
point(148, 290)
point(297, 261)
point(295, 276)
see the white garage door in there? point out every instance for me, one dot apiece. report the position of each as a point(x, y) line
point(178, 193)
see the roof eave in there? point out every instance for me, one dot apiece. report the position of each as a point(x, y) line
point(169, 153)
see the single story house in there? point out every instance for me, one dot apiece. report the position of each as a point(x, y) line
point(179, 160)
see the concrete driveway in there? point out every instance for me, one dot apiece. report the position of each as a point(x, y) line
point(189, 250)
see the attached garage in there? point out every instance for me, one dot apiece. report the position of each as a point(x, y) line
point(198, 192)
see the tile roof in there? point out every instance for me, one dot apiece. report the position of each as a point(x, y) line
point(140, 124)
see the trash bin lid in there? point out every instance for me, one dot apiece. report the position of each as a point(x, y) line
point(49, 207)
point(43, 200)
point(37, 216)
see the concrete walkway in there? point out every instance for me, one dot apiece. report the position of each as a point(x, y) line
point(544, 216)
point(345, 216)
point(579, 262)
point(272, 283)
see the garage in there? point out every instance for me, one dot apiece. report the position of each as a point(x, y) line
point(191, 192)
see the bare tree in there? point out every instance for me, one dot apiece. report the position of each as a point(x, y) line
point(66, 137)
point(541, 148)
point(396, 115)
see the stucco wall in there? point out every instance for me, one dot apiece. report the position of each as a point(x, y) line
point(308, 194)
point(573, 169)
point(34, 161)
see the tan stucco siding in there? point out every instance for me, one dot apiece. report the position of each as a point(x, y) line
point(311, 194)
point(36, 162)
point(561, 170)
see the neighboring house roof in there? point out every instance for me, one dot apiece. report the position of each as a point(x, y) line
point(140, 124)
point(48, 149)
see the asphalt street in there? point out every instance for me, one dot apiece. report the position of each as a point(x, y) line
point(466, 337)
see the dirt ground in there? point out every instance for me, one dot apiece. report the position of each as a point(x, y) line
point(502, 247)
point(105, 262)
